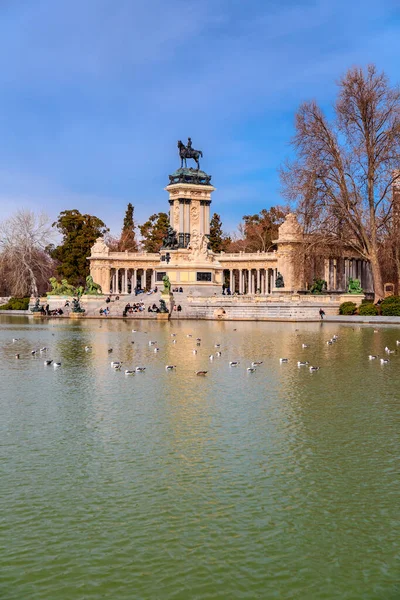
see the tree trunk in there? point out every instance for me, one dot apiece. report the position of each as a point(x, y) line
point(377, 278)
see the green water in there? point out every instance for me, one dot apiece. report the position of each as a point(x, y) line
point(277, 484)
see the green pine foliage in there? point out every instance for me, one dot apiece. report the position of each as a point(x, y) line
point(79, 233)
point(128, 240)
point(153, 231)
point(218, 241)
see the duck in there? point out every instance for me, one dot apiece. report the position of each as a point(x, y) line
point(372, 356)
point(170, 367)
point(283, 360)
point(312, 369)
point(140, 369)
point(385, 361)
point(202, 373)
point(234, 363)
point(129, 372)
point(251, 369)
point(301, 363)
point(256, 363)
point(56, 364)
point(47, 363)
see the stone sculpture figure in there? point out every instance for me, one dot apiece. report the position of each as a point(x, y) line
point(354, 286)
point(92, 287)
point(76, 306)
point(279, 283)
point(186, 152)
point(170, 241)
point(61, 289)
point(163, 307)
point(167, 285)
point(36, 307)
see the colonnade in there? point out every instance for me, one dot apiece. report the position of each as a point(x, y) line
point(251, 281)
point(338, 271)
point(125, 281)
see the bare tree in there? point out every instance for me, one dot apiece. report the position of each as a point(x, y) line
point(345, 170)
point(24, 261)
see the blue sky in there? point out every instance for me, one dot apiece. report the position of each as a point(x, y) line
point(94, 94)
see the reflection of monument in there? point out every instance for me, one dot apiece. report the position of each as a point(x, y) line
point(188, 262)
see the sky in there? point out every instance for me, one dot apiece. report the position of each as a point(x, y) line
point(94, 95)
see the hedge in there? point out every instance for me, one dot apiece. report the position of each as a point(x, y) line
point(16, 304)
point(347, 308)
point(390, 307)
point(368, 310)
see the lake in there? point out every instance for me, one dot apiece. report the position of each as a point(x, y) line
point(283, 483)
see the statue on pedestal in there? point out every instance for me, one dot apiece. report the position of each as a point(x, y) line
point(167, 285)
point(36, 307)
point(354, 286)
point(279, 283)
point(186, 152)
point(170, 241)
point(92, 287)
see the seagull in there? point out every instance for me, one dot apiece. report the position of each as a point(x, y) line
point(194, 351)
point(372, 356)
point(384, 361)
point(388, 351)
point(329, 342)
point(17, 356)
point(312, 369)
point(56, 364)
point(134, 330)
point(116, 363)
point(174, 341)
point(304, 346)
point(33, 352)
point(201, 373)
point(255, 363)
point(170, 367)
point(129, 372)
point(88, 348)
point(189, 335)
point(44, 349)
point(234, 363)
point(140, 369)
point(301, 363)
point(198, 339)
point(397, 342)
point(211, 357)
point(218, 354)
point(15, 340)
point(156, 349)
point(173, 334)
point(251, 370)
point(217, 345)
point(152, 343)
point(47, 363)
point(283, 360)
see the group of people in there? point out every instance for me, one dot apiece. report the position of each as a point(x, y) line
point(133, 308)
point(45, 310)
point(104, 311)
point(179, 290)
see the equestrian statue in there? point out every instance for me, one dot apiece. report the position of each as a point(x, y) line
point(186, 152)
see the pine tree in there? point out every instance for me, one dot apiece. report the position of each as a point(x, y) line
point(154, 231)
point(128, 236)
point(218, 241)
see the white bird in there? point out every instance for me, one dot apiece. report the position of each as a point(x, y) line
point(218, 354)
point(44, 349)
point(15, 339)
point(56, 364)
point(234, 363)
point(211, 357)
point(140, 369)
point(88, 348)
point(116, 363)
point(33, 352)
point(217, 346)
point(198, 339)
point(388, 351)
point(152, 343)
point(329, 342)
point(194, 351)
point(189, 335)
point(134, 330)
point(251, 370)
point(174, 341)
point(397, 342)
point(384, 361)
point(255, 363)
point(156, 349)
point(304, 346)
point(301, 363)
point(129, 372)
point(314, 369)
point(47, 363)
point(372, 356)
point(170, 367)
point(283, 360)
point(173, 334)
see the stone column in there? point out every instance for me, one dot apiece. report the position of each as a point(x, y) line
point(144, 279)
point(259, 280)
point(181, 217)
point(116, 281)
point(126, 281)
point(153, 279)
point(201, 218)
point(207, 219)
point(240, 281)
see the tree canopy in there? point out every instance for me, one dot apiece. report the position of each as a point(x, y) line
point(79, 233)
point(257, 232)
point(153, 231)
point(128, 235)
point(219, 242)
point(345, 168)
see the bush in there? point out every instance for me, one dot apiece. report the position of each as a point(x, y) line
point(368, 310)
point(347, 308)
point(390, 307)
point(16, 304)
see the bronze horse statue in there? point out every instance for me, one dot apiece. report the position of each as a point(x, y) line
point(186, 152)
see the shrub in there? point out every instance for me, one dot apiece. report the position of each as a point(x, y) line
point(16, 304)
point(368, 310)
point(347, 308)
point(319, 286)
point(390, 307)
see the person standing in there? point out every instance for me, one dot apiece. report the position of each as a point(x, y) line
point(321, 313)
